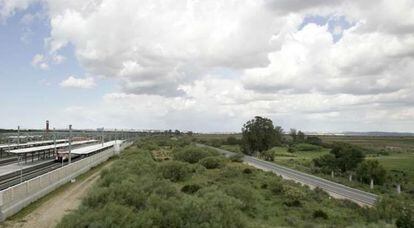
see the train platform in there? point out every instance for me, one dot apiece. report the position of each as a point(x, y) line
point(29, 144)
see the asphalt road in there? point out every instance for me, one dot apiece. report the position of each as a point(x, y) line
point(335, 189)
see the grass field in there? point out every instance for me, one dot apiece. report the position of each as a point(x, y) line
point(390, 143)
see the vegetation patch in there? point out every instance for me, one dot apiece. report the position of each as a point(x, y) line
point(138, 191)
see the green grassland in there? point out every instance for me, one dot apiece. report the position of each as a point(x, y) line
point(388, 143)
point(197, 187)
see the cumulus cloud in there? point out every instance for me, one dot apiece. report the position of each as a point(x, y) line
point(162, 44)
point(82, 83)
point(190, 62)
point(8, 8)
point(309, 61)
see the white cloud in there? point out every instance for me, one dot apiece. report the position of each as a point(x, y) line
point(82, 83)
point(40, 62)
point(214, 64)
point(9, 7)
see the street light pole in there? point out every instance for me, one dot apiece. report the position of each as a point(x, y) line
point(70, 144)
point(102, 137)
point(18, 135)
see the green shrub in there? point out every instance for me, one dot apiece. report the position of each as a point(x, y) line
point(174, 170)
point(319, 194)
point(244, 193)
point(405, 219)
point(231, 140)
point(197, 168)
point(212, 208)
point(247, 171)
point(110, 215)
point(230, 172)
point(190, 188)
point(212, 162)
point(236, 157)
point(275, 186)
point(320, 214)
point(293, 196)
point(307, 147)
point(192, 154)
point(268, 155)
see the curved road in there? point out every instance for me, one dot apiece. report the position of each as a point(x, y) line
point(334, 189)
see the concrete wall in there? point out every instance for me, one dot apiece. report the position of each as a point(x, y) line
point(19, 196)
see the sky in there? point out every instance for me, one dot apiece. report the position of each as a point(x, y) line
point(208, 65)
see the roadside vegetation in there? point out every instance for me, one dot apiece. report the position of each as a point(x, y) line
point(386, 170)
point(169, 182)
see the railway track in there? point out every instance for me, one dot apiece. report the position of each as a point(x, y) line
point(17, 177)
point(7, 161)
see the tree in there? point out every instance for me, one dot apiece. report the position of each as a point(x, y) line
point(314, 140)
point(347, 157)
point(300, 137)
point(258, 135)
point(293, 134)
point(398, 177)
point(343, 157)
point(371, 171)
point(326, 163)
point(406, 218)
point(279, 134)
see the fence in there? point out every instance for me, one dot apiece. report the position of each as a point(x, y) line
point(15, 198)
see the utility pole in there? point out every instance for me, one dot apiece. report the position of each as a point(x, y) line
point(70, 143)
point(102, 137)
point(18, 135)
point(54, 140)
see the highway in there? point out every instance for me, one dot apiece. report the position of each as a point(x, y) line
point(334, 189)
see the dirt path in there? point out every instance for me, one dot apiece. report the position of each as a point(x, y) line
point(52, 211)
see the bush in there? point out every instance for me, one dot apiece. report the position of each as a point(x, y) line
point(190, 188)
point(275, 186)
point(244, 194)
point(307, 147)
point(314, 140)
point(293, 196)
point(247, 171)
point(236, 157)
point(268, 155)
point(212, 162)
point(192, 154)
point(232, 141)
point(110, 215)
point(319, 194)
point(215, 142)
point(212, 209)
point(230, 172)
point(174, 170)
point(320, 214)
